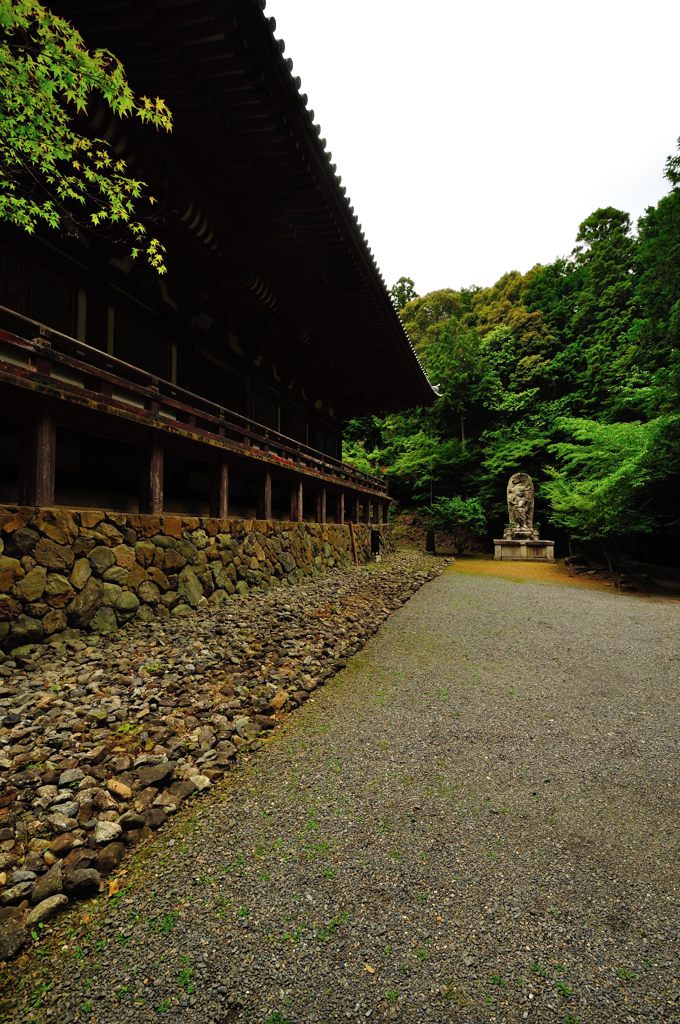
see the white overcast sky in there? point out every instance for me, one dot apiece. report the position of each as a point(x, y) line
point(475, 136)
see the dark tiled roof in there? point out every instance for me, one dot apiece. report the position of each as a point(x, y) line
point(253, 179)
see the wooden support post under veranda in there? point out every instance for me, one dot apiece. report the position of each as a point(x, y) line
point(297, 498)
point(220, 494)
point(321, 505)
point(264, 502)
point(41, 460)
point(152, 478)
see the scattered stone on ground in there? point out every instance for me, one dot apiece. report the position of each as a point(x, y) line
point(103, 738)
point(475, 824)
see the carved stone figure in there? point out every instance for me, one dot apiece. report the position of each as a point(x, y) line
point(521, 503)
point(520, 541)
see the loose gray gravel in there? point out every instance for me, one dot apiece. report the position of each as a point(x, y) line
point(474, 821)
point(102, 738)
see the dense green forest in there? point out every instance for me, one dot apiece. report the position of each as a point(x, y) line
point(570, 372)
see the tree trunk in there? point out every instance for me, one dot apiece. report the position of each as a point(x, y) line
point(606, 555)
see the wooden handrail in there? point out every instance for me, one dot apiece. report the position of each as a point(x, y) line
point(51, 350)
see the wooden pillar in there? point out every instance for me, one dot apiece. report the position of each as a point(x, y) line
point(152, 483)
point(321, 505)
point(264, 504)
point(268, 495)
point(220, 490)
point(367, 510)
point(41, 461)
point(341, 507)
point(356, 508)
point(296, 502)
point(375, 516)
point(385, 507)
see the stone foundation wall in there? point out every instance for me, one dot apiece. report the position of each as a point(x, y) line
point(95, 570)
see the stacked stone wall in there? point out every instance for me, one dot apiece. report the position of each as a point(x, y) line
point(96, 571)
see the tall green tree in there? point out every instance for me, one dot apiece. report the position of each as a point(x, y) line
point(424, 316)
point(403, 291)
point(606, 475)
point(595, 364)
point(658, 291)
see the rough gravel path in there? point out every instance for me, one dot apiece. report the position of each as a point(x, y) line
point(473, 822)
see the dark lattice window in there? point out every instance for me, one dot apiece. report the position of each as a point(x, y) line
point(37, 293)
point(141, 344)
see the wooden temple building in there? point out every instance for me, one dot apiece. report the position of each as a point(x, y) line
point(221, 388)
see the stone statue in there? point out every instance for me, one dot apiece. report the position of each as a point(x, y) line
point(521, 504)
point(520, 540)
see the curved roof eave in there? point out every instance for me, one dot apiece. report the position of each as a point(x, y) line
point(425, 393)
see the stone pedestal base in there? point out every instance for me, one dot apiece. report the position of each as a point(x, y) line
point(524, 550)
point(520, 533)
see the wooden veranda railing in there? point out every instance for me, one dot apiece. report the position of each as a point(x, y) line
point(45, 360)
